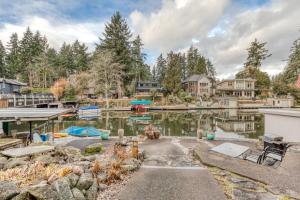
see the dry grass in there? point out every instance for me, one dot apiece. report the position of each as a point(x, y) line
point(28, 174)
point(96, 168)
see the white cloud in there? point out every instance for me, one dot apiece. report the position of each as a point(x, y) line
point(222, 31)
point(55, 31)
point(177, 23)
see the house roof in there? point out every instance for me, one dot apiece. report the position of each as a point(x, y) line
point(12, 81)
point(196, 77)
point(30, 114)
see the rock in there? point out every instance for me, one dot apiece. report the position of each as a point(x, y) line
point(142, 154)
point(8, 190)
point(131, 161)
point(77, 170)
point(68, 153)
point(127, 168)
point(73, 178)
point(78, 195)
point(91, 193)
point(21, 196)
point(85, 181)
point(102, 177)
point(244, 183)
point(244, 195)
point(102, 187)
point(83, 164)
point(52, 178)
point(41, 191)
point(62, 186)
point(90, 158)
point(3, 162)
point(130, 164)
point(46, 159)
point(93, 148)
point(15, 162)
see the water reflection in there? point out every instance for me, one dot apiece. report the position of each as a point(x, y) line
point(225, 123)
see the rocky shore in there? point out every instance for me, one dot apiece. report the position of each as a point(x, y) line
point(66, 173)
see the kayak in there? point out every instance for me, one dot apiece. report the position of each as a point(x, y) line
point(83, 131)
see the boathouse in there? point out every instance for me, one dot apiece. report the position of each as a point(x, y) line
point(10, 86)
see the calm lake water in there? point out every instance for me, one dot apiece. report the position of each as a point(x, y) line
point(225, 123)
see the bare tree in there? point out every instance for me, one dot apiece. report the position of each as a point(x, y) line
point(107, 73)
point(82, 82)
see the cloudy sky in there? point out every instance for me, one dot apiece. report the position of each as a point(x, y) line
point(221, 29)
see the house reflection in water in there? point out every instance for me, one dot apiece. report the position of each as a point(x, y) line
point(238, 121)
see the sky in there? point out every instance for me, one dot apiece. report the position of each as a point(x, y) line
point(221, 29)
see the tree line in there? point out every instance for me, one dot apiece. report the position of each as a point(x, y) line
point(30, 59)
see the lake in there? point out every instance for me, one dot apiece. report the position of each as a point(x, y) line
point(225, 123)
point(229, 123)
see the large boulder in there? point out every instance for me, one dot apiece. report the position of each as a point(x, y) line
point(85, 181)
point(91, 193)
point(46, 159)
point(8, 190)
point(41, 191)
point(68, 153)
point(16, 162)
point(62, 186)
point(73, 178)
point(3, 162)
point(78, 195)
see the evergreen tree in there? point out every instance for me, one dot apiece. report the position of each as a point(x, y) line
point(256, 54)
point(154, 74)
point(172, 79)
point(53, 63)
point(2, 60)
point(80, 56)
point(183, 67)
point(116, 38)
point(66, 61)
point(290, 73)
point(210, 69)
point(139, 69)
point(161, 65)
point(13, 57)
point(196, 63)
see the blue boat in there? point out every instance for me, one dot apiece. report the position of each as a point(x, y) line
point(140, 102)
point(79, 131)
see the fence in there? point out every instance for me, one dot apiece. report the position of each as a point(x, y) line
point(8, 101)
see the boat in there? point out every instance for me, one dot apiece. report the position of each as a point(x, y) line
point(89, 112)
point(79, 131)
point(140, 105)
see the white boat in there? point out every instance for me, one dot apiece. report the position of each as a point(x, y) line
point(89, 112)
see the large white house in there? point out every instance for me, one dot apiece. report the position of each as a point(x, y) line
point(242, 88)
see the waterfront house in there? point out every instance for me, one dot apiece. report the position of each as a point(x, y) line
point(199, 85)
point(10, 86)
point(241, 88)
point(147, 86)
